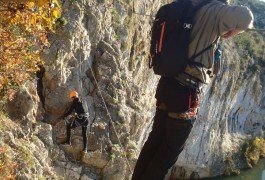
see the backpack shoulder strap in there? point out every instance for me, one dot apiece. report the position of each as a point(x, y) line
point(191, 18)
point(191, 60)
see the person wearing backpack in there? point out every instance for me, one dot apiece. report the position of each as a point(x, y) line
point(81, 119)
point(178, 89)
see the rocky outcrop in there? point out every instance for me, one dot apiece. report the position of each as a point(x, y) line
point(26, 143)
point(102, 53)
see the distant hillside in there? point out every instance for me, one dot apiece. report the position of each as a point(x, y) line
point(258, 8)
point(251, 43)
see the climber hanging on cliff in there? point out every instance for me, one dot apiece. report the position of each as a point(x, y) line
point(81, 119)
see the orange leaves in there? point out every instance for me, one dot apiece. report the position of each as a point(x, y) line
point(23, 30)
point(41, 3)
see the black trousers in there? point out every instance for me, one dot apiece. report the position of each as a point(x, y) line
point(168, 135)
point(161, 150)
point(84, 123)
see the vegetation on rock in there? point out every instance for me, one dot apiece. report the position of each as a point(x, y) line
point(23, 36)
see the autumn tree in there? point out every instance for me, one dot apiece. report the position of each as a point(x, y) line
point(23, 36)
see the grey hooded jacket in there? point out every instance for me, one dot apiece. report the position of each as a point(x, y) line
point(211, 21)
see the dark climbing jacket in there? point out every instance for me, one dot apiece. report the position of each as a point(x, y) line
point(81, 114)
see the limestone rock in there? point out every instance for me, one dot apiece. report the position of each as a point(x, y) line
point(96, 159)
point(103, 54)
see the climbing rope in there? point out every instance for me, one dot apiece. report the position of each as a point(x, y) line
point(153, 16)
point(104, 103)
point(112, 122)
point(257, 30)
point(143, 14)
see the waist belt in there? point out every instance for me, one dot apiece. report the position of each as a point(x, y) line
point(187, 80)
point(183, 116)
point(81, 116)
point(191, 114)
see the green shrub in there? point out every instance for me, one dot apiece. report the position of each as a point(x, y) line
point(255, 150)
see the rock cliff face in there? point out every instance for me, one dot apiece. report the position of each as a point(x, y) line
point(103, 54)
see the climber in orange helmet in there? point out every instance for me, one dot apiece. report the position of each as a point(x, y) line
point(81, 119)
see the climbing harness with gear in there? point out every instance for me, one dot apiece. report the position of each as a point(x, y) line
point(192, 111)
point(81, 116)
point(73, 120)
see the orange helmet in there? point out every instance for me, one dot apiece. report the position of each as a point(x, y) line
point(73, 94)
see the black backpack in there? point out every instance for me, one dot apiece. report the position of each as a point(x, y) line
point(171, 37)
